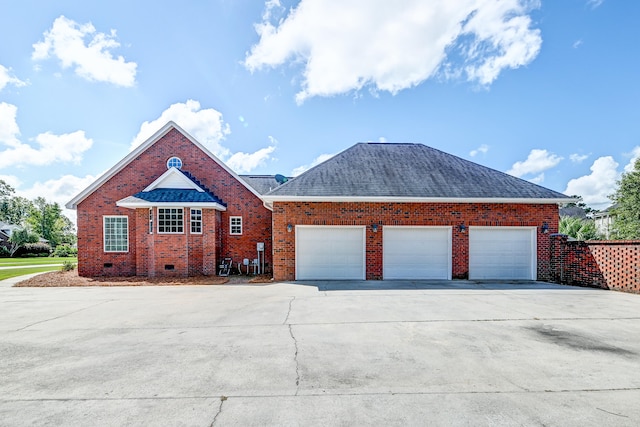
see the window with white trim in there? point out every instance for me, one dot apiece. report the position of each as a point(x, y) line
point(196, 221)
point(170, 220)
point(235, 225)
point(116, 233)
point(150, 220)
point(174, 162)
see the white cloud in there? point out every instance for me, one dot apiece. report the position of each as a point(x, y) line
point(6, 78)
point(577, 43)
point(49, 148)
point(92, 58)
point(538, 179)
point(9, 130)
point(635, 154)
point(578, 158)
point(269, 7)
point(503, 38)
point(482, 149)
point(59, 190)
point(537, 161)
point(301, 169)
point(594, 3)
point(12, 180)
point(205, 125)
point(598, 185)
point(345, 45)
point(245, 162)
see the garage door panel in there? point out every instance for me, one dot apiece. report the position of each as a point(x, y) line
point(504, 253)
point(416, 252)
point(328, 252)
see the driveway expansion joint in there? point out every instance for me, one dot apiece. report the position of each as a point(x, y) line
point(326, 392)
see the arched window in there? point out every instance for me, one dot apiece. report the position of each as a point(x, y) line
point(174, 162)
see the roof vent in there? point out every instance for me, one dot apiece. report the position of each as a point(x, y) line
point(281, 179)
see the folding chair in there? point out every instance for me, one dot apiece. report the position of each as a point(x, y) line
point(225, 267)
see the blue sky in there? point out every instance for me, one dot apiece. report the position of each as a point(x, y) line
point(544, 90)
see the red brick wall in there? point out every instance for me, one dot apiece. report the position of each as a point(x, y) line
point(149, 254)
point(613, 264)
point(447, 214)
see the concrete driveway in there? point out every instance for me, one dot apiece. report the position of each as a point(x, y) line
point(372, 353)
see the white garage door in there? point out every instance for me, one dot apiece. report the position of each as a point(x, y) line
point(416, 252)
point(330, 253)
point(504, 253)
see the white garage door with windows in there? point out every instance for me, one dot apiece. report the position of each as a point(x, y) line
point(330, 253)
point(416, 252)
point(503, 253)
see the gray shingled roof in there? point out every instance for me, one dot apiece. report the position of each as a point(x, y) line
point(407, 170)
point(261, 183)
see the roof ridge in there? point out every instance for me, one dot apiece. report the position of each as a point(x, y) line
point(390, 143)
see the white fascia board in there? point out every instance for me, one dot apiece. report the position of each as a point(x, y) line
point(135, 203)
point(385, 199)
point(73, 203)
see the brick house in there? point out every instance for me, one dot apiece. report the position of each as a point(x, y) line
point(408, 211)
point(170, 208)
point(374, 211)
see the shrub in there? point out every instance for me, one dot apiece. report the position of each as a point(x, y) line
point(65, 251)
point(578, 228)
point(68, 266)
point(34, 250)
point(4, 252)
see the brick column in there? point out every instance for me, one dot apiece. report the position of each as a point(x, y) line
point(209, 241)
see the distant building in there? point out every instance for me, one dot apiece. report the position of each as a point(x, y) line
point(5, 233)
point(573, 211)
point(604, 220)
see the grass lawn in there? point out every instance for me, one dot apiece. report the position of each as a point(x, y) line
point(14, 272)
point(11, 262)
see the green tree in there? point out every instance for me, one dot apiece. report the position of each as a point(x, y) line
point(15, 210)
point(45, 219)
point(626, 224)
point(578, 228)
point(6, 191)
point(20, 238)
point(67, 229)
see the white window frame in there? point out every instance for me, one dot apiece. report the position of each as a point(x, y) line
point(238, 220)
point(174, 162)
point(105, 219)
point(160, 227)
point(198, 221)
point(150, 220)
